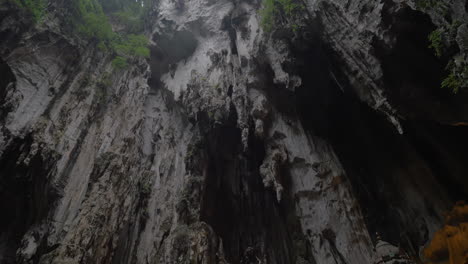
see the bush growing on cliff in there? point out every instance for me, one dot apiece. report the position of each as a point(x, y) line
point(457, 79)
point(429, 4)
point(452, 82)
point(133, 45)
point(443, 42)
point(89, 20)
point(119, 62)
point(36, 8)
point(268, 14)
point(436, 42)
point(129, 46)
point(279, 12)
point(443, 37)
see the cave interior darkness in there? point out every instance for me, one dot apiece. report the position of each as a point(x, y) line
point(238, 206)
point(370, 149)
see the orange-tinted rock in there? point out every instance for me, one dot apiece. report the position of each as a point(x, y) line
point(450, 244)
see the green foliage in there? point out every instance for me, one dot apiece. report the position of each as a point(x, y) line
point(96, 26)
point(277, 12)
point(442, 37)
point(102, 46)
point(128, 13)
point(457, 79)
point(289, 7)
point(452, 82)
point(268, 14)
point(429, 4)
point(436, 42)
point(119, 62)
point(36, 8)
point(133, 45)
point(441, 41)
point(89, 19)
point(295, 27)
point(434, 5)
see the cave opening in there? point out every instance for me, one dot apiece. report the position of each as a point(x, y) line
point(444, 148)
point(364, 142)
point(412, 73)
point(245, 215)
point(378, 160)
point(412, 77)
point(25, 196)
point(170, 50)
point(8, 79)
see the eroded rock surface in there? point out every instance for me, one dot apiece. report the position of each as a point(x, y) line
point(230, 144)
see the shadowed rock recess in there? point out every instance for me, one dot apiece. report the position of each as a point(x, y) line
point(327, 139)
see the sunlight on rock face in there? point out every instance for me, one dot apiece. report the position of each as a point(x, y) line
point(450, 244)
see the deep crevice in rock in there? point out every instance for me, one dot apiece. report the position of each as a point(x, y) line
point(25, 194)
point(444, 150)
point(6, 81)
point(247, 217)
point(227, 26)
point(412, 72)
point(379, 161)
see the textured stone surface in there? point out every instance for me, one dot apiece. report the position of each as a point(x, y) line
point(228, 145)
point(449, 245)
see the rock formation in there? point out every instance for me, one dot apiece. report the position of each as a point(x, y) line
point(232, 144)
point(450, 244)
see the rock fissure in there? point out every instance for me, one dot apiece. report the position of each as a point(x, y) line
point(232, 143)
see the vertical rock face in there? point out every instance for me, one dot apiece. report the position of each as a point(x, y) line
point(230, 144)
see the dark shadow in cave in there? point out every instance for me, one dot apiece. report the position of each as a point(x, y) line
point(7, 79)
point(445, 148)
point(170, 49)
point(248, 218)
point(412, 73)
point(25, 195)
point(376, 158)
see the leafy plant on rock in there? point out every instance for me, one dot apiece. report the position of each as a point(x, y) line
point(119, 62)
point(35, 8)
point(280, 13)
point(457, 79)
point(436, 42)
